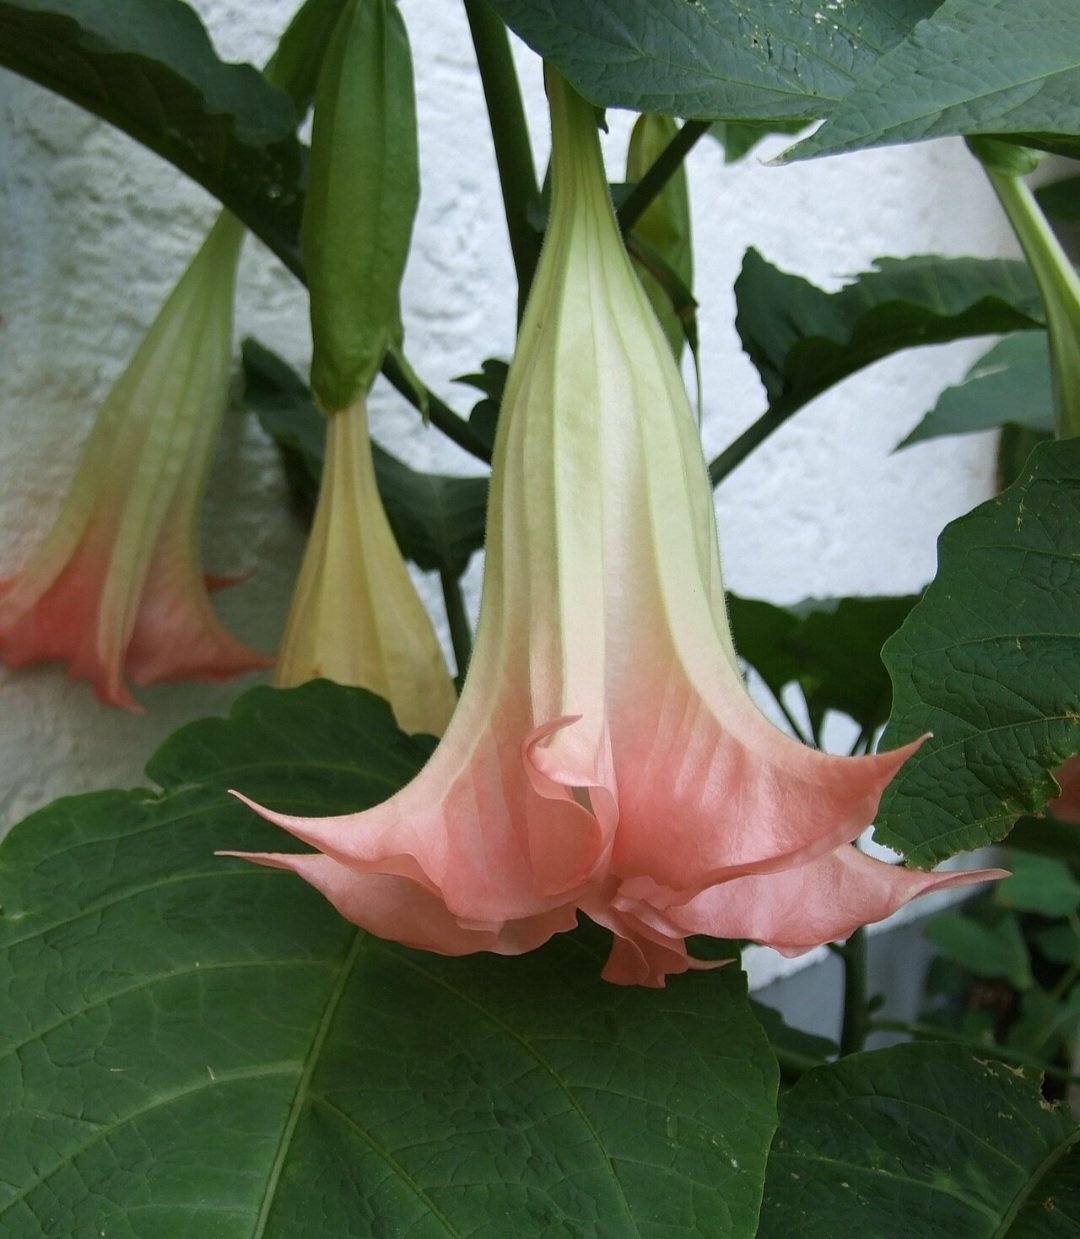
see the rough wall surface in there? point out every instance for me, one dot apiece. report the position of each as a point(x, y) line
point(95, 230)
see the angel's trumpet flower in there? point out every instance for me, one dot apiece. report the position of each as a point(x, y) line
point(116, 589)
point(605, 756)
point(355, 615)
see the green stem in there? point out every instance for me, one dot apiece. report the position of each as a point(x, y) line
point(856, 1022)
point(458, 620)
point(666, 164)
point(444, 418)
point(791, 720)
point(1065, 983)
point(752, 437)
point(510, 136)
point(1057, 280)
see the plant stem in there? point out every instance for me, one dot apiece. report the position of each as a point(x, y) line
point(1056, 277)
point(510, 136)
point(752, 437)
point(792, 721)
point(458, 620)
point(666, 164)
point(444, 418)
point(856, 1022)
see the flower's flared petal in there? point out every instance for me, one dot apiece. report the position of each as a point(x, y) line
point(110, 624)
point(823, 901)
point(177, 634)
point(48, 613)
point(646, 948)
point(398, 909)
point(499, 843)
point(709, 788)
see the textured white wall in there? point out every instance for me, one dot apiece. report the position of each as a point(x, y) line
point(95, 230)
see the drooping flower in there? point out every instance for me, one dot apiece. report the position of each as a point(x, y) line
point(116, 588)
point(605, 756)
point(356, 616)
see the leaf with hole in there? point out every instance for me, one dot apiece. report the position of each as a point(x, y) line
point(998, 67)
point(739, 60)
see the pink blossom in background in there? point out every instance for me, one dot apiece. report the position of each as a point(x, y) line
point(116, 589)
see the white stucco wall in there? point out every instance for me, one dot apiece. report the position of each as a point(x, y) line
point(95, 230)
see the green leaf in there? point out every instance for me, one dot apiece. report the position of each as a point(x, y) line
point(438, 520)
point(200, 1047)
point(713, 59)
point(1000, 67)
point(1038, 884)
point(1009, 385)
point(994, 948)
point(987, 662)
point(1047, 836)
point(295, 63)
point(802, 340)
point(790, 1042)
point(830, 647)
point(491, 380)
point(1046, 1024)
point(148, 67)
point(1059, 943)
point(739, 138)
point(1061, 200)
point(922, 1142)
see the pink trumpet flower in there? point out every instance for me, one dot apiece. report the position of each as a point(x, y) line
point(116, 588)
point(605, 756)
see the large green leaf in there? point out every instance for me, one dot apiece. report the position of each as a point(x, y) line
point(1009, 385)
point(148, 67)
point(195, 1046)
point(720, 59)
point(802, 339)
point(438, 520)
point(830, 647)
point(974, 66)
point(922, 1142)
point(989, 662)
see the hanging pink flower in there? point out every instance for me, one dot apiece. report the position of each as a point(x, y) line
point(605, 757)
point(116, 589)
